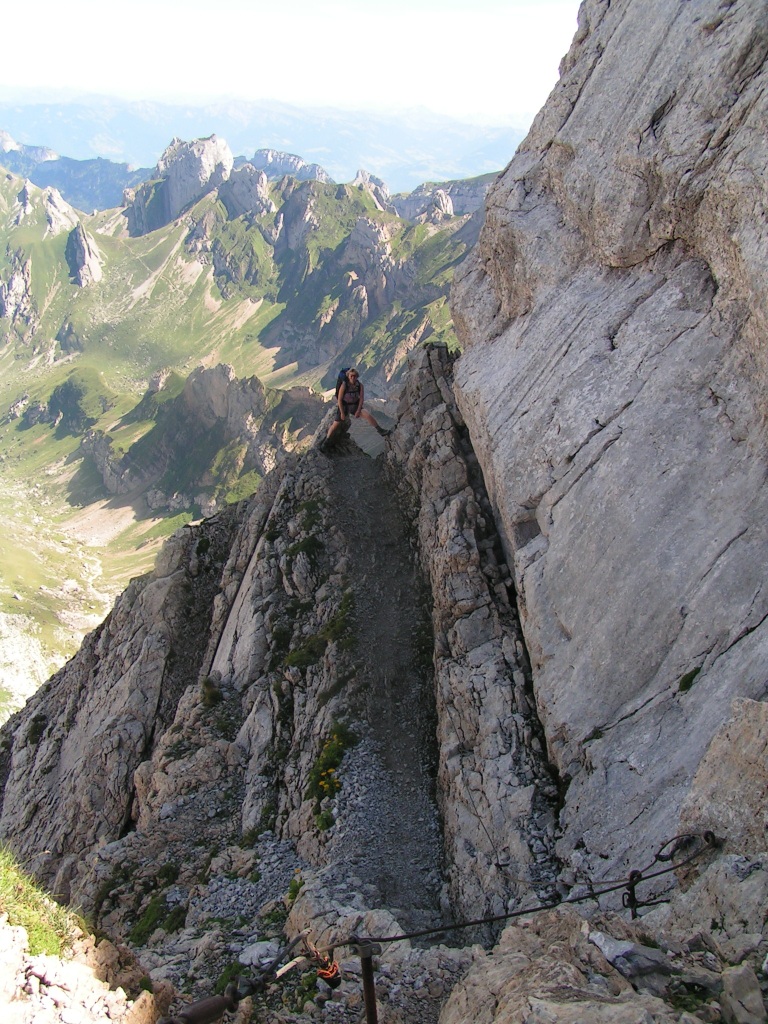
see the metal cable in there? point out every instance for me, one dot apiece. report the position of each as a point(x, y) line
point(633, 879)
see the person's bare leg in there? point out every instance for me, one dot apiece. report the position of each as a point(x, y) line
point(367, 416)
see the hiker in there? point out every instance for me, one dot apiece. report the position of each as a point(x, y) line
point(349, 405)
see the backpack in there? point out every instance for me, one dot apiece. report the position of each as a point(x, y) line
point(342, 378)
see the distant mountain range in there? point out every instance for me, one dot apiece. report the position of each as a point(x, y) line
point(118, 330)
point(403, 149)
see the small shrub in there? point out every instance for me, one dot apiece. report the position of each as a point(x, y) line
point(276, 917)
point(227, 725)
point(323, 780)
point(211, 694)
point(312, 649)
point(168, 873)
point(268, 816)
point(230, 972)
point(335, 688)
point(688, 680)
point(179, 749)
point(36, 729)
point(324, 820)
point(106, 888)
point(150, 920)
point(302, 991)
point(175, 920)
point(248, 838)
point(285, 704)
point(311, 546)
point(294, 888)
point(206, 867)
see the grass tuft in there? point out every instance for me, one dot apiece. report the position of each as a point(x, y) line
point(49, 926)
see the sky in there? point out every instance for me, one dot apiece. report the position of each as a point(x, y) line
point(489, 61)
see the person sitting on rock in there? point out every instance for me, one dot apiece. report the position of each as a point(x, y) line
point(349, 405)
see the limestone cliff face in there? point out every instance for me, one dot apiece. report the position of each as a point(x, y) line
point(185, 172)
point(247, 189)
point(88, 729)
point(614, 380)
point(17, 304)
point(83, 256)
point(198, 711)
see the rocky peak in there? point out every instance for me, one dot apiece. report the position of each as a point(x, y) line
point(39, 154)
point(254, 427)
point(368, 249)
point(440, 207)
point(24, 200)
point(83, 257)
point(377, 188)
point(17, 304)
point(191, 169)
point(276, 164)
point(7, 143)
point(185, 173)
point(59, 214)
point(247, 191)
point(465, 197)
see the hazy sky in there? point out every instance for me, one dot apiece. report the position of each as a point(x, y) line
point(487, 60)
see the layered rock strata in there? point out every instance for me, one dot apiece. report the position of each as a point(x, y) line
point(613, 383)
point(173, 779)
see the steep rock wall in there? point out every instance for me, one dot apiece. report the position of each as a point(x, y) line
point(613, 381)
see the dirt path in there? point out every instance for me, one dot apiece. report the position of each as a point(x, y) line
point(390, 831)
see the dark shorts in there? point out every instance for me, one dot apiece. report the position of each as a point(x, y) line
point(348, 417)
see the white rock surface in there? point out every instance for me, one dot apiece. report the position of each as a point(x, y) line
point(465, 197)
point(84, 257)
point(276, 163)
point(192, 168)
point(247, 190)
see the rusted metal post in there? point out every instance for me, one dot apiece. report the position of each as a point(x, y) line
point(367, 950)
point(629, 898)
